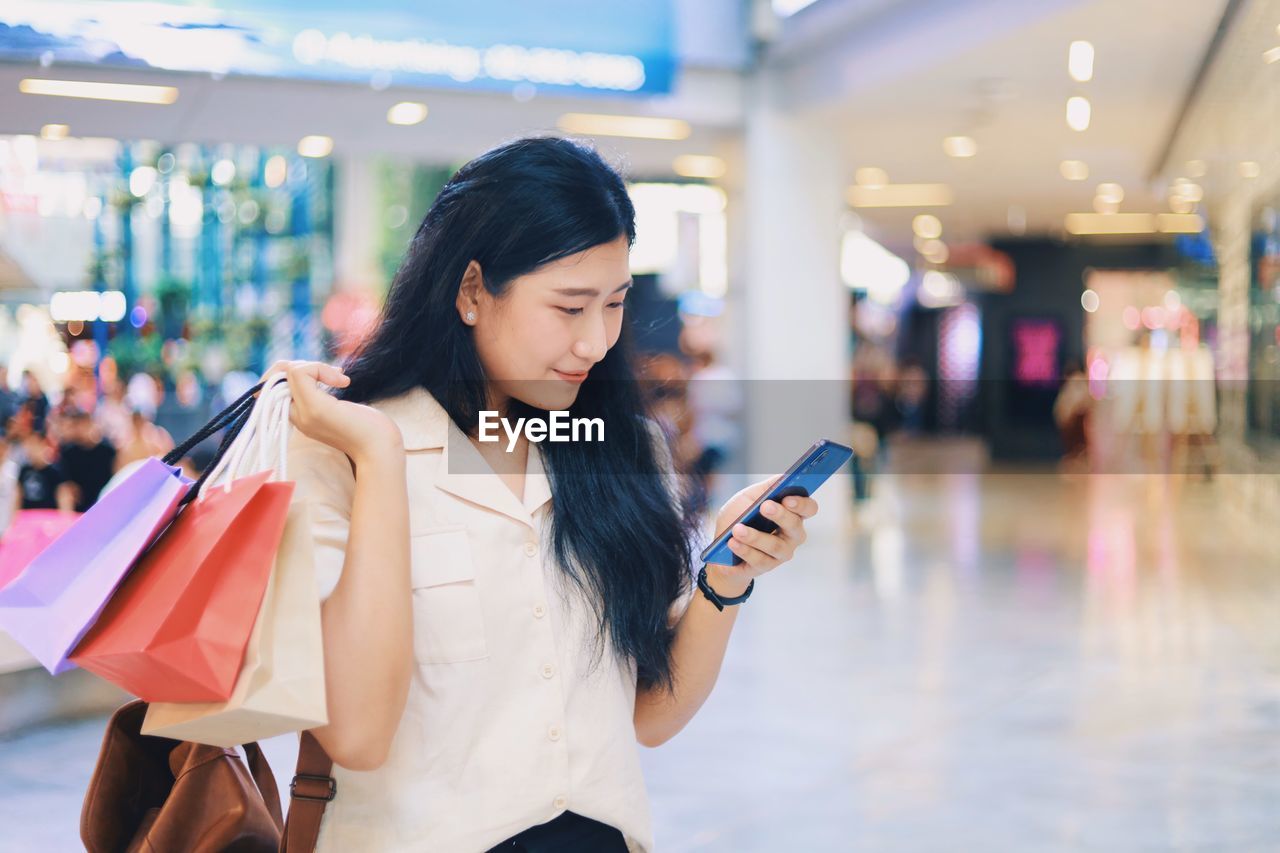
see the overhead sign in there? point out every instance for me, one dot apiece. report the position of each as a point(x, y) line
point(582, 46)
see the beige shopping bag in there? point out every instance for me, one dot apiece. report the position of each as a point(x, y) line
point(280, 687)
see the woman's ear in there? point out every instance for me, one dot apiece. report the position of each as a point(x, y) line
point(468, 301)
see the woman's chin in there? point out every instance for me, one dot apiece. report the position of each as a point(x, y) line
point(550, 395)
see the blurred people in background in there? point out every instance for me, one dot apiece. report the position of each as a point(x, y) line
point(715, 403)
point(912, 390)
point(86, 459)
point(33, 399)
point(145, 440)
point(8, 398)
point(8, 481)
point(1071, 412)
point(183, 412)
point(41, 484)
point(112, 414)
point(143, 394)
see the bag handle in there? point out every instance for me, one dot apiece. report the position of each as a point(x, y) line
point(223, 419)
point(262, 442)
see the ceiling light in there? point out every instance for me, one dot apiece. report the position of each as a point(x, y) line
point(1272, 55)
point(1179, 223)
point(960, 146)
point(901, 195)
point(141, 180)
point(1078, 113)
point(1189, 190)
point(1105, 206)
point(1250, 169)
point(1089, 300)
point(1112, 223)
point(935, 251)
point(315, 146)
point(223, 172)
point(927, 225)
point(1111, 192)
point(54, 132)
point(1080, 61)
point(871, 177)
point(1178, 204)
point(699, 166)
point(406, 113)
point(1074, 170)
point(639, 127)
point(275, 171)
point(132, 92)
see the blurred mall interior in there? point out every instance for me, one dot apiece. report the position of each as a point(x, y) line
point(1023, 257)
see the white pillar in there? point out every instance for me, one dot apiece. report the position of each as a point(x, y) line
point(789, 308)
point(355, 236)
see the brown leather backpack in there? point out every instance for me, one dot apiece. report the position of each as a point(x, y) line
point(157, 795)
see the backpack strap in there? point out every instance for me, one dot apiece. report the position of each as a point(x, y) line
point(311, 791)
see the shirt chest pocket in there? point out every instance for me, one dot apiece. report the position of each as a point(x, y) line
point(448, 621)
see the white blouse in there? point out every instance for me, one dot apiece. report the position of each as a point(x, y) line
point(511, 719)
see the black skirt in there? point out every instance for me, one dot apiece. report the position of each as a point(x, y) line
point(569, 833)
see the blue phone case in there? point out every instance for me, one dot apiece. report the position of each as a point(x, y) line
point(803, 478)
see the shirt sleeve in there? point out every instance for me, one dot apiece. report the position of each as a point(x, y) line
point(324, 479)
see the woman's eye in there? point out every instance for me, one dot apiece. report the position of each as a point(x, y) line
point(618, 304)
point(571, 311)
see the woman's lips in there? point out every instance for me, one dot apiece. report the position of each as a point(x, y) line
point(575, 378)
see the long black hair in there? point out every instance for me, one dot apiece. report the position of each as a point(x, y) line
point(619, 530)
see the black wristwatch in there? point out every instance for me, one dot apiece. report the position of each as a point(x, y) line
point(719, 600)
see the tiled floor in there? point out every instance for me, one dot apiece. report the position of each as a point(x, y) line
point(999, 662)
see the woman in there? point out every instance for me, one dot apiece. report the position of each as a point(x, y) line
point(501, 626)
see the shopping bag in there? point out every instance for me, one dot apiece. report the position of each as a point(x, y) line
point(280, 687)
point(176, 629)
point(29, 533)
point(48, 607)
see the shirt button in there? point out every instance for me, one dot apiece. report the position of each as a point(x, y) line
point(548, 670)
point(539, 611)
point(531, 549)
point(560, 802)
point(554, 733)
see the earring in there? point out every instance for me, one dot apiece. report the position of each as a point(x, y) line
point(471, 316)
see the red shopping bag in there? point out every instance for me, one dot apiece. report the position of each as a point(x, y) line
point(177, 628)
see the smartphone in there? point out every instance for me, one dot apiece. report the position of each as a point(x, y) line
point(803, 478)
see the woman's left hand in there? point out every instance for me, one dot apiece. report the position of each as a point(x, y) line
point(761, 552)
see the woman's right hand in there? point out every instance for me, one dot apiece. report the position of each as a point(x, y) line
point(357, 430)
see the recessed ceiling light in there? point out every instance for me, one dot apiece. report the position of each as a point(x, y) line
point(871, 177)
point(699, 166)
point(927, 226)
point(315, 146)
point(1078, 113)
point(131, 92)
point(1074, 170)
point(1080, 61)
point(639, 127)
point(960, 146)
point(407, 113)
point(1110, 192)
point(54, 131)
